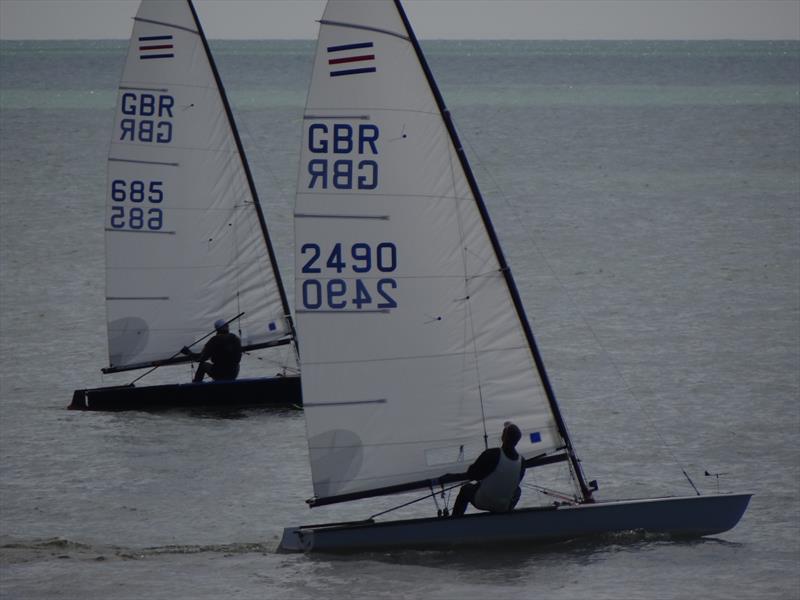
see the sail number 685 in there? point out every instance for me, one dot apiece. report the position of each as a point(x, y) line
point(131, 208)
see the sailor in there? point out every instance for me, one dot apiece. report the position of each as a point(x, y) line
point(225, 352)
point(498, 472)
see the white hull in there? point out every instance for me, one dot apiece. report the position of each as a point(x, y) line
point(689, 516)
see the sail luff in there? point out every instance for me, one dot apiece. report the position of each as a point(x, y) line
point(248, 174)
point(506, 271)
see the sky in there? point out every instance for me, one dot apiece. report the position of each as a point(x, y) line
point(432, 19)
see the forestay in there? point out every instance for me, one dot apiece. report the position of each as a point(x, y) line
point(414, 353)
point(184, 242)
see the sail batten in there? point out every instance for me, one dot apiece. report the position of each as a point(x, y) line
point(164, 24)
point(396, 358)
point(363, 27)
point(177, 168)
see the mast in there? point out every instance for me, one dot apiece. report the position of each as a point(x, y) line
point(246, 166)
point(562, 428)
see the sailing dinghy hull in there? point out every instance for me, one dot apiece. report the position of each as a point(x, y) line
point(241, 393)
point(690, 516)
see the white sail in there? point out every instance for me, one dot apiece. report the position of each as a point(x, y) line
point(184, 245)
point(413, 352)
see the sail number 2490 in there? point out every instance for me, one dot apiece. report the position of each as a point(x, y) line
point(363, 286)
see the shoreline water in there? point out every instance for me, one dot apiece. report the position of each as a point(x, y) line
point(651, 215)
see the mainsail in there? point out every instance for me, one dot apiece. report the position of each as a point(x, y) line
point(415, 346)
point(186, 242)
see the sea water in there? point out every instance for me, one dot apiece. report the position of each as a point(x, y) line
point(647, 196)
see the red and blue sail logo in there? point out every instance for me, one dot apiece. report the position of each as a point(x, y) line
point(351, 59)
point(155, 46)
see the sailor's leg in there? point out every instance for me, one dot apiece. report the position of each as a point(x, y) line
point(202, 369)
point(465, 496)
point(218, 373)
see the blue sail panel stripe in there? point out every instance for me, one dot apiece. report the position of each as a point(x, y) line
point(353, 71)
point(349, 47)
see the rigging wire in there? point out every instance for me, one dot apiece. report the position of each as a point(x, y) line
point(280, 364)
point(550, 492)
point(518, 220)
point(471, 338)
point(563, 474)
point(420, 499)
point(264, 167)
point(477, 372)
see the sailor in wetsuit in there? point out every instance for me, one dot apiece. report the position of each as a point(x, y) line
point(225, 352)
point(498, 472)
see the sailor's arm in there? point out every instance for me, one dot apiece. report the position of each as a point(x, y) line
point(484, 464)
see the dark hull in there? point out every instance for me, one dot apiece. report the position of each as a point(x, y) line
point(271, 391)
point(690, 516)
